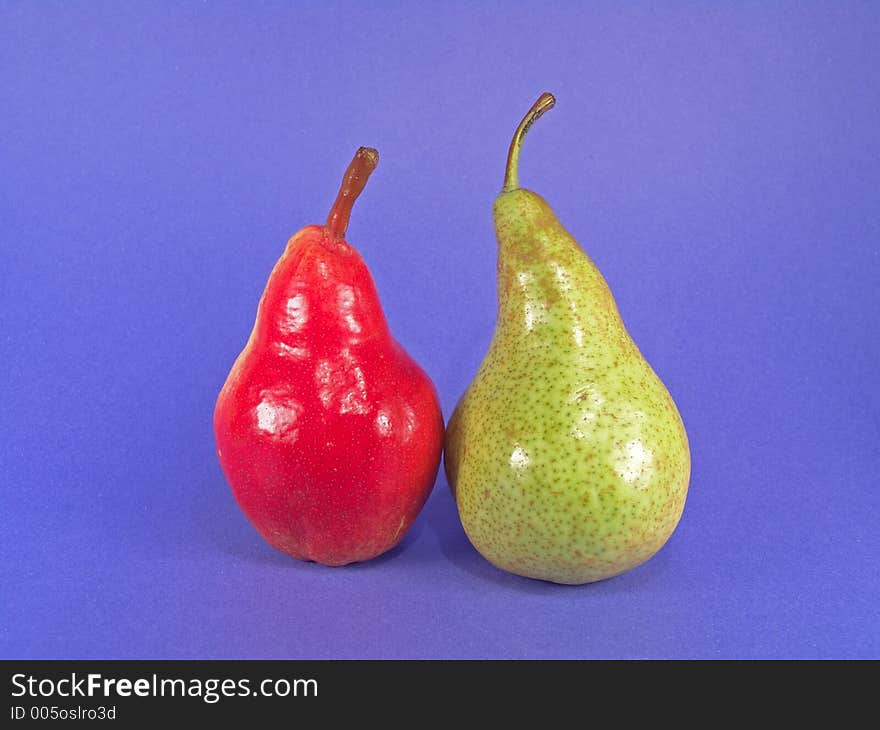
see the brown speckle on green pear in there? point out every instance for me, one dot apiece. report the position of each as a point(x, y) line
point(567, 457)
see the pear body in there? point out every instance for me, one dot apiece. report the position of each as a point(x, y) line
point(327, 431)
point(566, 455)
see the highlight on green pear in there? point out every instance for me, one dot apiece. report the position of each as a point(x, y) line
point(566, 455)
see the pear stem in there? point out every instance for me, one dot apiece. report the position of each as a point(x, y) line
point(353, 182)
point(511, 176)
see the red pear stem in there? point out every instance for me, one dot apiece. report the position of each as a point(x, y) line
point(364, 162)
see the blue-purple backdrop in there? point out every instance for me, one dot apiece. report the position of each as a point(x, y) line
point(720, 164)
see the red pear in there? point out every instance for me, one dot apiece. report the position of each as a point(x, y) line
point(327, 430)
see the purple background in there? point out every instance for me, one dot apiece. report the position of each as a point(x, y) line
point(721, 165)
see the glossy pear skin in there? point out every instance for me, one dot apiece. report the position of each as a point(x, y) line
point(328, 432)
point(566, 455)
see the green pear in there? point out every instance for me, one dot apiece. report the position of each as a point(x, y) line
point(567, 457)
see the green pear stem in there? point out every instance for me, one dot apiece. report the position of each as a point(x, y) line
point(353, 182)
point(511, 176)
